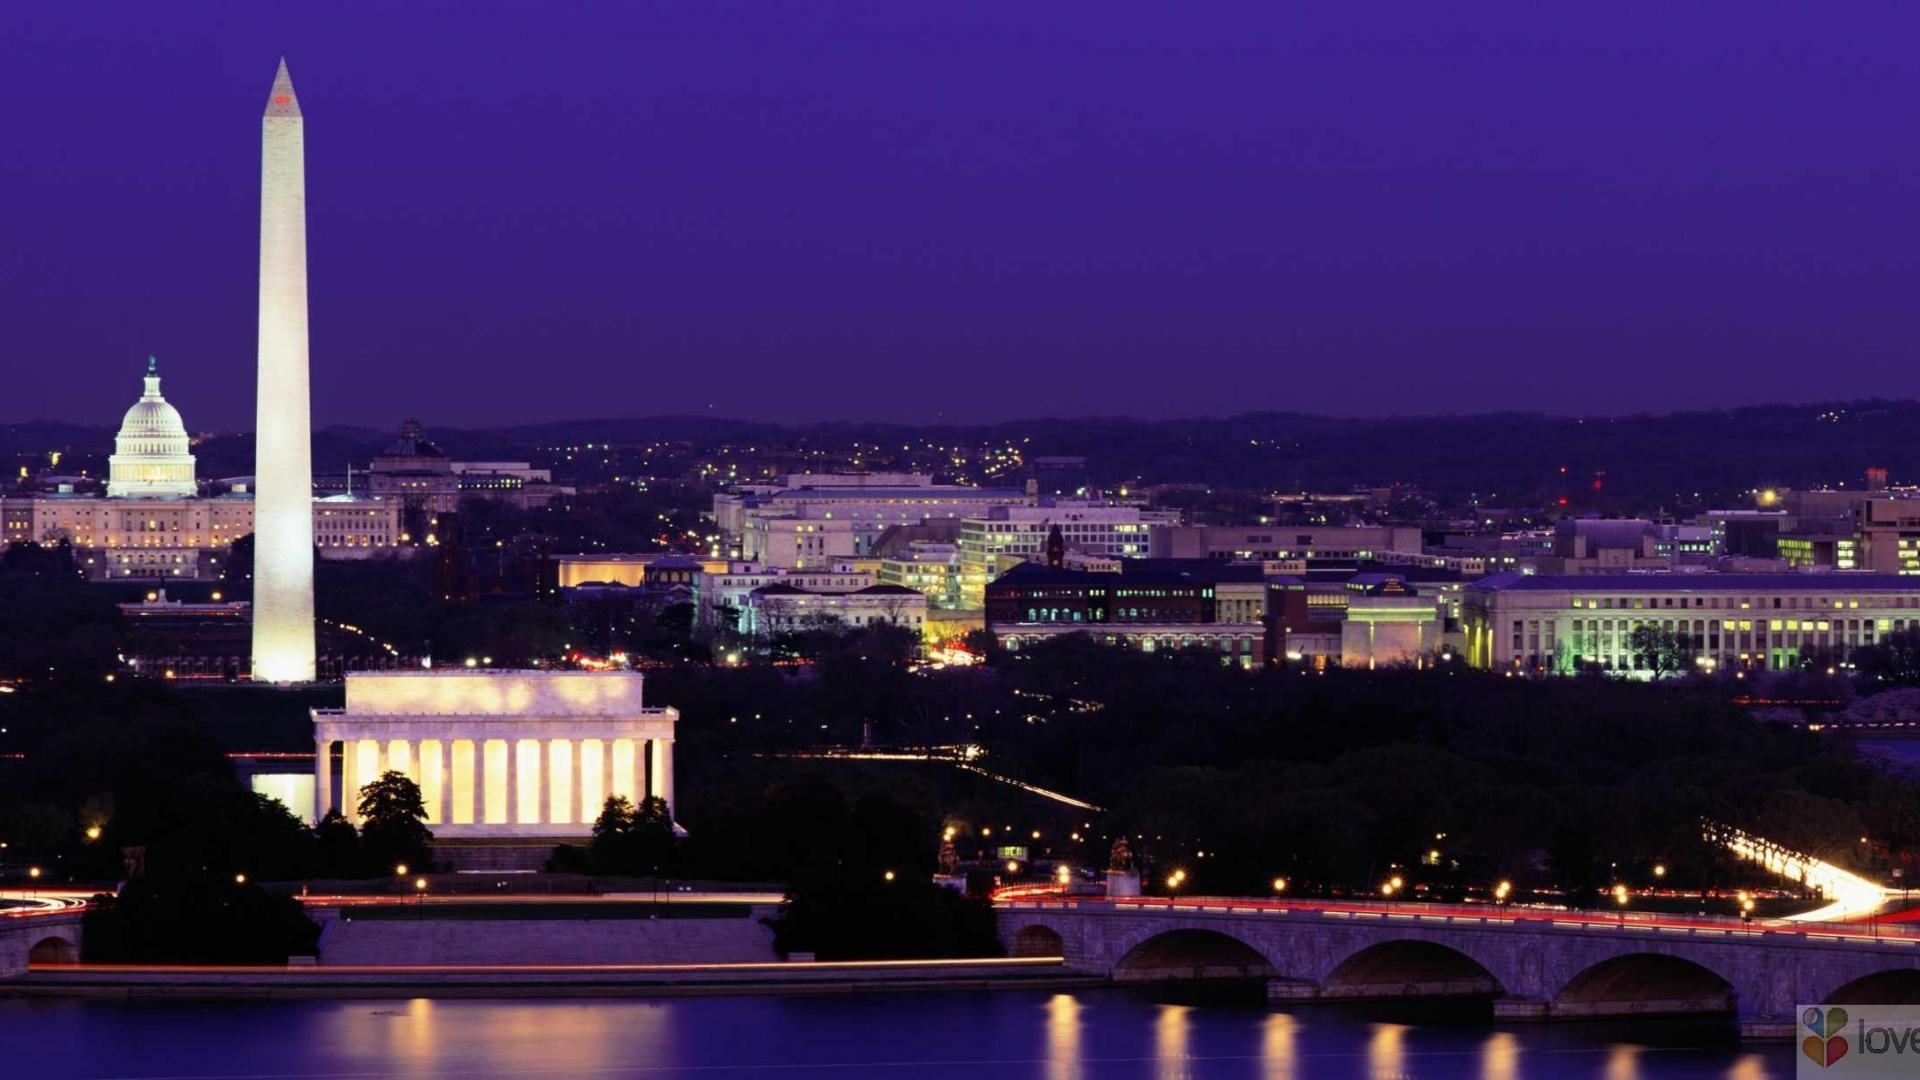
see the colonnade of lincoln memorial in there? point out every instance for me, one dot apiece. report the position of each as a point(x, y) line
point(497, 753)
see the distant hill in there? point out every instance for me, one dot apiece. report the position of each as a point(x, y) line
point(1647, 461)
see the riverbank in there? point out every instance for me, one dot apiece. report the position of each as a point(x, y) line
point(544, 980)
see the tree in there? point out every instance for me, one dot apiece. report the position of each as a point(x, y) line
point(393, 816)
point(1893, 660)
point(1663, 652)
point(630, 839)
point(196, 918)
point(338, 847)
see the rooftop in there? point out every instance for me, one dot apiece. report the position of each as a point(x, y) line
point(1838, 581)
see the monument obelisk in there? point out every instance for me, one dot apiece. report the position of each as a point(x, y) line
point(283, 648)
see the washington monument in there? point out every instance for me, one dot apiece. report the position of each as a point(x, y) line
point(283, 649)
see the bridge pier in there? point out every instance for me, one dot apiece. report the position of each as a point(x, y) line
point(1768, 1029)
point(1517, 1008)
point(1287, 991)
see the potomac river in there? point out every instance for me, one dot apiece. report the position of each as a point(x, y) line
point(961, 1034)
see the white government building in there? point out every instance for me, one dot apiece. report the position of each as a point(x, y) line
point(497, 753)
point(152, 525)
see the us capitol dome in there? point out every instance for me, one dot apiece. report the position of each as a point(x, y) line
point(151, 456)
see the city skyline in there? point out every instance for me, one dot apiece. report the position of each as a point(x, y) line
point(748, 214)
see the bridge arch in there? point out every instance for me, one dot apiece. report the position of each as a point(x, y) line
point(1191, 954)
point(53, 950)
point(1409, 967)
point(1036, 939)
point(1895, 986)
point(1645, 983)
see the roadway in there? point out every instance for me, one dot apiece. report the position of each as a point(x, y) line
point(25, 903)
point(1520, 914)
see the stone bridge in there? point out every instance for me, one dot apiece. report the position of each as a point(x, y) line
point(1531, 964)
point(51, 938)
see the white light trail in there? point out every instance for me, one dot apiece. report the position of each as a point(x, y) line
point(1849, 896)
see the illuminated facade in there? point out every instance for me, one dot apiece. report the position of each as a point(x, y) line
point(283, 632)
point(152, 525)
point(419, 476)
point(1732, 622)
point(152, 456)
point(1167, 605)
point(722, 597)
point(784, 608)
point(1263, 542)
point(497, 754)
point(1389, 624)
point(1019, 533)
point(632, 571)
point(929, 568)
point(808, 520)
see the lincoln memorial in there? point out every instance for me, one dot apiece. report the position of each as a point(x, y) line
point(497, 753)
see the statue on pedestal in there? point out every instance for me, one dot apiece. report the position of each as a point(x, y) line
point(1122, 857)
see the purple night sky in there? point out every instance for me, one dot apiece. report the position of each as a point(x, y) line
point(532, 211)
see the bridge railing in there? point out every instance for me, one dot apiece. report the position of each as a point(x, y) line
point(1462, 915)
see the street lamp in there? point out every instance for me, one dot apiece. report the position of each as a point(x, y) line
point(239, 879)
point(93, 832)
point(1620, 898)
point(1279, 884)
point(1502, 891)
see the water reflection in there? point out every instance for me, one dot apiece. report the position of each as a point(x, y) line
point(1387, 1052)
point(1624, 1062)
point(1063, 1038)
point(977, 1036)
point(536, 1038)
point(1500, 1056)
point(1279, 1046)
point(1172, 1031)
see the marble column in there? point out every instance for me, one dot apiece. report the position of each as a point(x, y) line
point(662, 771)
point(576, 792)
point(513, 781)
point(350, 778)
point(445, 810)
point(322, 776)
point(639, 781)
point(543, 765)
point(563, 762)
point(606, 774)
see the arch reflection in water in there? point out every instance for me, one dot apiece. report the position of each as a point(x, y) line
point(1063, 1038)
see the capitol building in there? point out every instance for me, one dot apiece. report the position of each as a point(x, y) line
point(154, 524)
